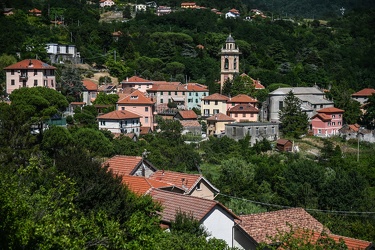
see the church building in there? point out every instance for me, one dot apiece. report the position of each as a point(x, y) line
point(230, 61)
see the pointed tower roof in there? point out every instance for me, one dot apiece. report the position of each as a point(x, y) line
point(230, 39)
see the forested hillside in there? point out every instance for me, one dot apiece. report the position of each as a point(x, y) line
point(54, 192)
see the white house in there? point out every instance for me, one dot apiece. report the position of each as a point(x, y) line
point(105, 3)
point(215, 217)
point(59, 53)
point(312, 99)
point(120, 121)
point(29, 73)
point(233, 13)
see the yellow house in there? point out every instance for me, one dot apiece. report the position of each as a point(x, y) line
point(214, 104)
point(216, 123)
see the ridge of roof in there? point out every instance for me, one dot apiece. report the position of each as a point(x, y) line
point(30, 64)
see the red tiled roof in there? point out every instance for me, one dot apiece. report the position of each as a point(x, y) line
point(190, 123)
point(173, 202)
point(181, 180)
point(119, 115)
point(145, 130)
point(196, 87)
point(117, 33)
point(141, 185)
point(364, 92)
point(220, 117)
point(123, 165)
point(241, 98)
point(261, 226)
point(188, 114)
point(322, 117)
point(330, 110)
point(282, 141)
point(351, 243)
point(90, 85)
point(216, 97)
point(30, 64)
point(187, 4)
point(243, 108)
point(135, 79)
point(354, 127)
point(136, 97)
point(35, 11)
point(77, 103)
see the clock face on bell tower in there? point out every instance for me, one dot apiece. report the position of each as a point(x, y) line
point(229, 60)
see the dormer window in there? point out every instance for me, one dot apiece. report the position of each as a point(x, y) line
point(133, 97)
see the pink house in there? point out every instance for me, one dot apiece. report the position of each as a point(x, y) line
point(327, 122)
point(29, 73)
point(241, 99)
point(137, 82)
point(136, 102)
point(244, 113)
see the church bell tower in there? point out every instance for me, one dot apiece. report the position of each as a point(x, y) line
point(230, 61)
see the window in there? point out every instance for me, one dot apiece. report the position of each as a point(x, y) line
point(146, 119)
point(196, 100)
point(148, 86)
point(243, 115)
point(216, 111)
point(122, 108)
point(339, 123)
point(52, 83)
point(233, 104)
point(198, 186)
point(226, 63)
point(196, 94)
point(333, 124)
point(133, 122)
point(321, 106)
point(251, 115)
point(273, 130)
point(249, 131)
point(169, 92)
point(339, 115)
point(206, 111)
point(45, 83)
point(319, 131)
point(333, 116)
point(257, 131)
point(139, 86)
point(35, 83)
point(265, 130)
point(161, 93)
point(190, 94)
point(234, 131)
point(175, 93)
point(235, 115)
point(206, 102)
point(235, 63)
point(35, 72)
point(183, 92)
point(12, 82)
point(146, 109)
point(216, 102)
point(281, 104)
point(12, 72)
point(161, 101)
point(329, 124)
point(102, 123)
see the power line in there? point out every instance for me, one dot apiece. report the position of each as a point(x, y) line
point(307, 209)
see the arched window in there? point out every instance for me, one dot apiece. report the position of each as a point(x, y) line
point(226, 63)
point(235, 63)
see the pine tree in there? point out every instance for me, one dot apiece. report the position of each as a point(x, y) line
point(294, 122)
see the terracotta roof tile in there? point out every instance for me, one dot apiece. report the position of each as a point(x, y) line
point(181, 180)
point(188, 114)
point(354, 127)
point(261, 226)
point(135, 79)
point(187, 123)
point(141, 185)
point(216, 97)
point(119, 115)
point(282, 141)
point(322, 117)
point(241, 98)
point(173, 202)
point(330, 110)
point(30, 64)
point(220, 117)
point(196, 87)
point(364, 92)
point(351, 243)
point(123, 165)
point(243, 108)
point(90, 85)
point(145, 130)
point(136, 97)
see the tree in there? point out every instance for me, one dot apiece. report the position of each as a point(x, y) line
point(294, 122)
point(70, 83)
point(5, 60)
point(369, 116)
